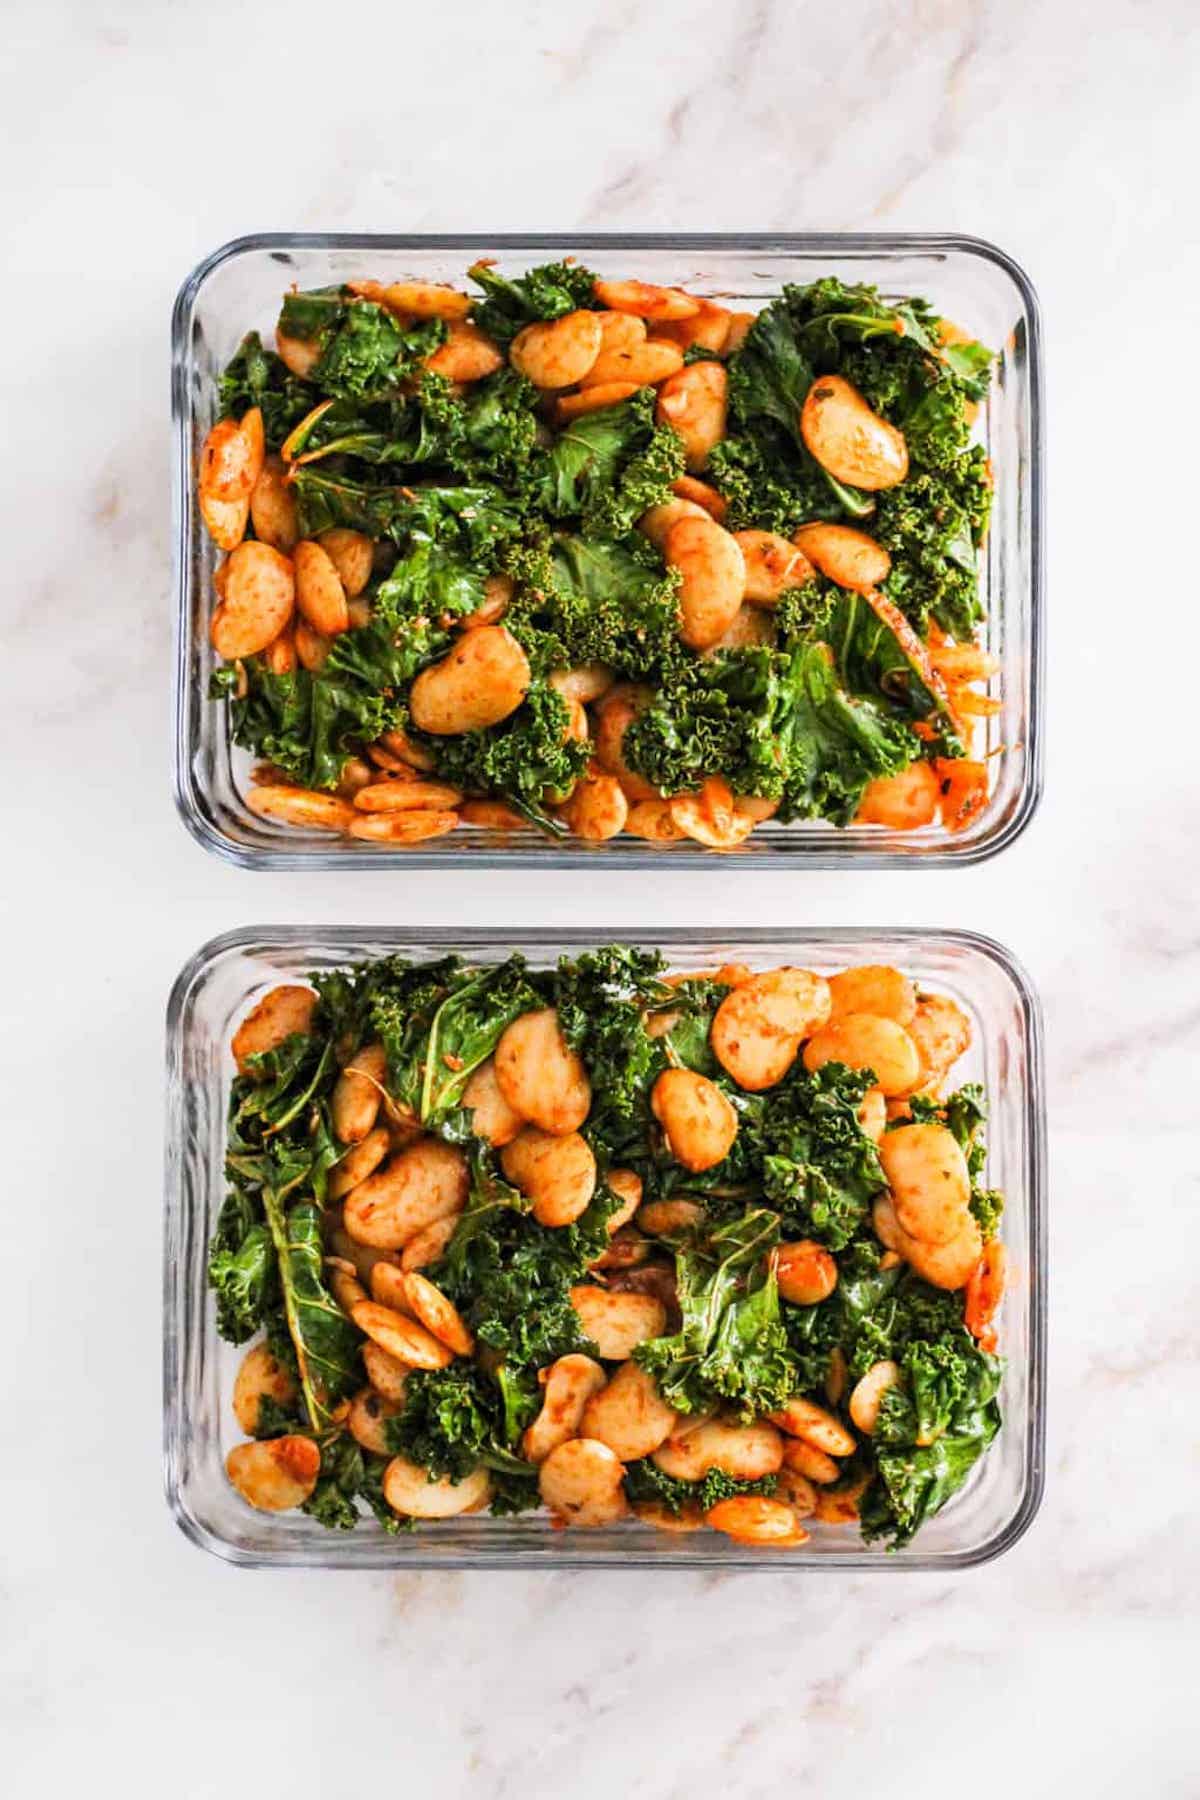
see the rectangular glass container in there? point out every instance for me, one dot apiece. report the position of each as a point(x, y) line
point(215, 988)
point(239, 288)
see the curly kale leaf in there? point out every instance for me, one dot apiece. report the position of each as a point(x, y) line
point(326, 1343)
point(348, 1475)
point(731, 1349)
point(546, 292)
point(257, 377)
point(528, 760)
point(242, 1270)
point(366, 353)
point(511, 1277)
point(933, 525)
point(590, 599)
point(932, 1429)
point(602, 998)
point(769, 379)
point(309, 722)
point(465, 1030)
point(402, 1009)
point(610, 466)
point(644, 1481)
point(457, 1418)
point(761, 494)
point(332, 1501)
point(279, 1143)
point(776, 724)
point(490, 433)
point(876, 656)
point(833, 743)
point(820, 1168)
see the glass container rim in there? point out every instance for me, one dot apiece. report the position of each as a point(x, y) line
point(249, 937)
point(207, 833)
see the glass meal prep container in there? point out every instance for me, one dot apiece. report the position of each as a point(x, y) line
point(239, 288)
point(214, 990)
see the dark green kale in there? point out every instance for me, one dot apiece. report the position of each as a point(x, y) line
point(366, 353)
point(934, 522)
point(542, 293)
point(241, 1269)
point(348, 1475)
point(325, 1341)
point(731, 1349)
point(588, 599)
point(257, 377)
point(933, 526)
point(878, 657)
point(932, 1429)
point(308, 723)
point(529, 759)
point(402, 1009)
point(602, 998)
point(465, 1030)
point(511, 1277)
point(280, 1150)
point(456, 1418)
point(820, 1168)
point(646, 1482)
point(609, 467)
point(776, 724)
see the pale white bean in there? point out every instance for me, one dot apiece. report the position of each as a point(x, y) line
point(491, 1115)
point(866, 1396)
point(930, 1182)
point(539, 1074)
point(874, 988)
point(629, 1414)
point(863, 1041)
point(419, 1185)
point(773, 565)
point(409, 1491)
point(320, 596)
point(556, 353)
point(618, 1322)
point(361, 1160)
point(699, 1121)
point(556, 1171)
point(260, 595)
point(848, 557)
point(261, 1376)
point(570, 1383)
point(747, 1452)
point(694, 402)
point(849, 439)
point(387, 1374)
point(368, 1416)
point(713, 578)
point(354, 1104)
point(279, 1014)
point(402, 1337)
point(581, 1483)
point(480, 681)
point(759, 1026)
point(805, 1419)
point(276, 1474)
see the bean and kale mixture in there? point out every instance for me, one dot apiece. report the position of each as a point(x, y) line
point(594, 557)
point(712, 1250)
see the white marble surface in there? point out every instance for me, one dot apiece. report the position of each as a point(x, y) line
point(138, 137)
